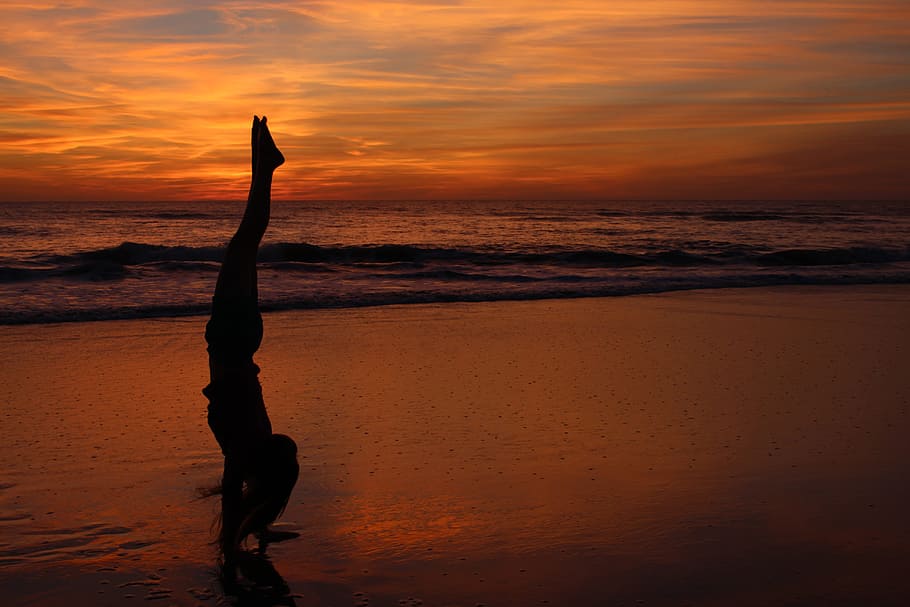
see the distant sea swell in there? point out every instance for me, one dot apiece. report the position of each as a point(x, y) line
point(69, 262)
point(116, 261)
point(400, 274)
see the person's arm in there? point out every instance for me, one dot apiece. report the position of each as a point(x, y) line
point(231, 507)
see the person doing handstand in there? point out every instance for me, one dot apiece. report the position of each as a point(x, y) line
point(260, 467)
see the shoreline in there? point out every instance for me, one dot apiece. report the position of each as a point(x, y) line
point(721, 446)
point(272, 307)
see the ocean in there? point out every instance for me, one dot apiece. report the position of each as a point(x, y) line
point(95, 261)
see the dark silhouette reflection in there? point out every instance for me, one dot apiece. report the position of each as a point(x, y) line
point(251, 580)
point(260, 467)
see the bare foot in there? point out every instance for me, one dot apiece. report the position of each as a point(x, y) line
point(270, 157)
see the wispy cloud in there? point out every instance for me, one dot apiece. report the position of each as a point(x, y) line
point(373, 99)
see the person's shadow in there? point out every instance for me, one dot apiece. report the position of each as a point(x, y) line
point(252, 580)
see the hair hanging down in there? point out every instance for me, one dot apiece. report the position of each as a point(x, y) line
point(265, 493)
point(270, 488)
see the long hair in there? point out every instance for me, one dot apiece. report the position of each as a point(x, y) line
point(266, 491)
point(269, 489)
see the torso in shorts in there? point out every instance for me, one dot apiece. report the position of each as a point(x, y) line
point(236, 410)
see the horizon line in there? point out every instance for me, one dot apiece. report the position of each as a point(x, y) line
point(433, 200)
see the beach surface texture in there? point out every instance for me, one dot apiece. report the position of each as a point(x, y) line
point(729, 447)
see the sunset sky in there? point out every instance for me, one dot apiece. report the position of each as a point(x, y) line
point(133, 100)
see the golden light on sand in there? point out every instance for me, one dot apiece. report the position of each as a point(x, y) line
point(402, 99)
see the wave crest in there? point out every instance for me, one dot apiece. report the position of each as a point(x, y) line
point(116, 262)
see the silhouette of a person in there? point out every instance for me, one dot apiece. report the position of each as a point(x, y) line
point(260, 467)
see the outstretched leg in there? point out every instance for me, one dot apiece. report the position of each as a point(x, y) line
point(238, 270)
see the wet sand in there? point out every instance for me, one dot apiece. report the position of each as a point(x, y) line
point(735, 447)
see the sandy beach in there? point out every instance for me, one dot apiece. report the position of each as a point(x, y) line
point(728, 447)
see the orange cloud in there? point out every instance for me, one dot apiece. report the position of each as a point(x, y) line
point(633, 98)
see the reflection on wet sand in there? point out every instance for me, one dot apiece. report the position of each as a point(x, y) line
point(254, 581)
point(745, 448)
point(714, 456)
